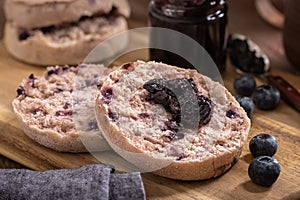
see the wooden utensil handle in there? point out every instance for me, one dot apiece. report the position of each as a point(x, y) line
point(287, 91)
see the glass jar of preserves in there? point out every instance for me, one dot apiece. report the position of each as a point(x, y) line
point(203, 20)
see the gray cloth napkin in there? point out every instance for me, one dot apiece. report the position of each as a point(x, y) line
point(126, 186)
point(87, 182)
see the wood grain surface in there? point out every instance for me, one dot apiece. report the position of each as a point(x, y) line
point(233, 185)
point(283, 123)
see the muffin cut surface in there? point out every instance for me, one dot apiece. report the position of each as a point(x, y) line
point(56, 108)
point(139, 129)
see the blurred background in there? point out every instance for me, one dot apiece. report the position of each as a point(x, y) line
point(252, 18)
point(139, 8)
point(1, 18)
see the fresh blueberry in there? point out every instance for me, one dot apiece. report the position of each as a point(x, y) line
point(247, 104)
point(264, 170)
point(244, 85)
point(263, 145)
point(266, 97)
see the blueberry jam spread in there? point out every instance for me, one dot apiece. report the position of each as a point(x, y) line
point(180, 98)
point(244, 57)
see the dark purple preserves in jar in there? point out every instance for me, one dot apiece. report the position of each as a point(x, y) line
point(203, 20)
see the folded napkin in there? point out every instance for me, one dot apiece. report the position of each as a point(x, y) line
point(126, 186)
point(87, 182)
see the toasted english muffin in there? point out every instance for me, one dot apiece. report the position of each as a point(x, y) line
point(172, 121)
point(49, 32)
point(57, 109)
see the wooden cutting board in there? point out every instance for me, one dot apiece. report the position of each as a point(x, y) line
point(283, 123)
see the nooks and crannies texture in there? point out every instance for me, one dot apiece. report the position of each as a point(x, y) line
point(145, 112)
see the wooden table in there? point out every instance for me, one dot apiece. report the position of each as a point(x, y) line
point(283, 123)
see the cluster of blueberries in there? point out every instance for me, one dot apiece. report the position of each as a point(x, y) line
point(264, 170)
point(244, 56)
point(265, 97)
